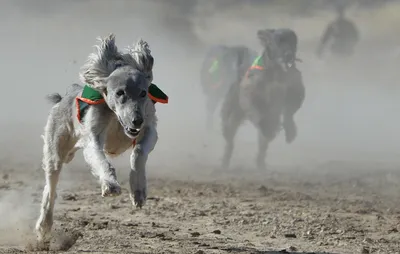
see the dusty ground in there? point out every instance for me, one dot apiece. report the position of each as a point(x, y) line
point(329, 209)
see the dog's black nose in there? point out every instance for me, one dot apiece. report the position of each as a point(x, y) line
point(138, 122)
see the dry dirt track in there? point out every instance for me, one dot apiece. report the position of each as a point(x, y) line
point(327, 210)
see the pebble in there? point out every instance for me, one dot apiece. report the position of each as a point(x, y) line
point(195, 234)
point(290, 235)
point(114, 206)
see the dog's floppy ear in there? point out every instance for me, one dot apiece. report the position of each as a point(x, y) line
point(144, 61)
point(265, 34)
point(268, 38)
point(101, 63)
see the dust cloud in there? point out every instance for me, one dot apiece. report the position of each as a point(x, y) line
point(350, 111)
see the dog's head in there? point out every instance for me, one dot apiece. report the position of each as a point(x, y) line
point(280, 46)
point(123, 79)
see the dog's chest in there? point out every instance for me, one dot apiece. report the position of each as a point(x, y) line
point(116, 141)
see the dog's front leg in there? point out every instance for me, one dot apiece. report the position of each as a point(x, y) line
point(101, 167)
point(140, 153)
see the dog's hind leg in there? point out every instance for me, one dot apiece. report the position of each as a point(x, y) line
point(229, 130)
point(55, 149)
point(232, 117)
point(262, 151)
point(211, 106)
point(45, 221)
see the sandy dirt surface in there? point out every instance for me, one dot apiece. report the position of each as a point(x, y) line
point(334, 190)
point(327, 209)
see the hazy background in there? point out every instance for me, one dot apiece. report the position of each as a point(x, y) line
point(351, 107)
point(351, 111)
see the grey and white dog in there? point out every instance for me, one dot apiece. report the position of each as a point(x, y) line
point(110, 128)
point(271, 89)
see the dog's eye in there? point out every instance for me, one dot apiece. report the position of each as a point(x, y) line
point(117, 65)
point(120, 93)
point(142, 94)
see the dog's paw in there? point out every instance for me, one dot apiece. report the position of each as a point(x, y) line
point(110, 188)
point(139, 198)
point(42, 239)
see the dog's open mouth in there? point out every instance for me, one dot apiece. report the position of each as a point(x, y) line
point(132, 132)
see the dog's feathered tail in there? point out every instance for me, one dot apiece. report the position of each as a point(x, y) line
point(54, 98)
